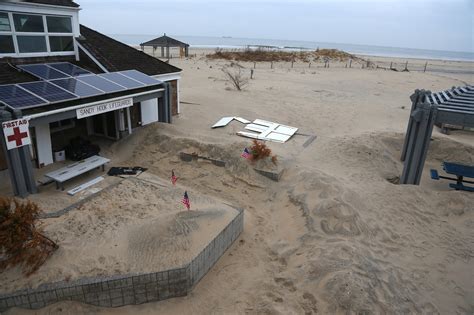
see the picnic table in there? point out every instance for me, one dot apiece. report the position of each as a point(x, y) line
point(460, 171)
point(73, 170)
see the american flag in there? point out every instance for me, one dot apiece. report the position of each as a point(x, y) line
point(246, 154)
point(186, 201)
point(173, 178)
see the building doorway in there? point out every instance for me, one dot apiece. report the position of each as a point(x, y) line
point(136, 115)
point(105, 125)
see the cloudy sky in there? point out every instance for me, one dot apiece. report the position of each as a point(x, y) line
point(425, 24)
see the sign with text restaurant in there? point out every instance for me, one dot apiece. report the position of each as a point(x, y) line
point(103, 108)
point(16, 133)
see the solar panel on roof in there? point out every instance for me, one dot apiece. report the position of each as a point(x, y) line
point(69, 68)
point(101, 83)
point(61, 87)
point(141, 77)
point(48, 91)
point(77, 87)
point(122, 80)
point(16, 97)
point(43, 72)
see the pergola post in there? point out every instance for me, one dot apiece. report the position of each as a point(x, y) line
point(168, 52)
point(417, 140)
point(186, 51)
point(414, 101)
point(162, 52)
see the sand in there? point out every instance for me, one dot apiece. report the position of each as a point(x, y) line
point(136, 226)
point(335, 235)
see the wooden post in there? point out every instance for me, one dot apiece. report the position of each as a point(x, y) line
point(271, 65)
point(426, 63)
point(368, 63)
point(292, 63)
point(254, 64)
point(251, 73)
point(406, 66)
point(391, 64)
point(309, 65)
point(350, 63)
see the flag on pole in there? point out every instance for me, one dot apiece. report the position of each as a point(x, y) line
point(186, 201)
point(246, 154)
point(173, 178)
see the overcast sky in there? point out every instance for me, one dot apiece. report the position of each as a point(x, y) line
point(425, 24)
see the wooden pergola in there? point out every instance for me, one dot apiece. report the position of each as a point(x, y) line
point(166, 42)
point(453, 107)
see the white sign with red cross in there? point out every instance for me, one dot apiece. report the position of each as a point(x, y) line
point(16, 133)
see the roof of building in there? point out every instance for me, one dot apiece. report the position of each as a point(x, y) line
point(165, 41)
point(9, 74)
point(62, 3)
point(117, 56)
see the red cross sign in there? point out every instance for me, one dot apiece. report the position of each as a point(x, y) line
point(16, 133)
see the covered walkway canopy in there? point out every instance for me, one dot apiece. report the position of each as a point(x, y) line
point(454, 107)
point(167, 42)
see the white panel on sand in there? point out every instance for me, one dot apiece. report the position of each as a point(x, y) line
point(44, 148)
point(242, 120)
point(268, 130)
point(256, 128)
point(149, 110)
point(277, 137)
point(86, 185)
point(222, 122)
point(250, 135)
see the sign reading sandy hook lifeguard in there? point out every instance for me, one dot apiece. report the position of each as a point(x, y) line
point(103, 108)
point(16, 133)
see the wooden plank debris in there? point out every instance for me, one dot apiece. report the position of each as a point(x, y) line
point(188, 157)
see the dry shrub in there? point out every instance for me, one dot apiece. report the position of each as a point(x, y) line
point(21, 242)
point(261, 151)
point(262, 55)
point(236, 78)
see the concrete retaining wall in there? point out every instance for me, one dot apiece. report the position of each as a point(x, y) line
point(123, 290)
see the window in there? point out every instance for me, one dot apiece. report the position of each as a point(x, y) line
point(59, 24)
point(31, 44)
point(35, 34)
point(61, 43)
point(6, 44)
point(4, 22)
point(28, 23)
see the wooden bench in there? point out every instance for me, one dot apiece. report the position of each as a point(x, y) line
point(73, 170)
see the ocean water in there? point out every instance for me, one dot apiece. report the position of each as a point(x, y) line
point(234, 42)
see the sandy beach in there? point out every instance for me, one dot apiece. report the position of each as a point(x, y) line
point(335, 235)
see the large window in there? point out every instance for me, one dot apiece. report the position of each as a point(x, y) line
point(31, 44)
point(33, 33)
point(6, 44)
point(28, 23)
point(4, 22)
point(59, 24)
point(61, 43)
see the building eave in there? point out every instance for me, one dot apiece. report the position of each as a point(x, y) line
point(42, 5)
